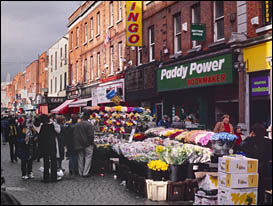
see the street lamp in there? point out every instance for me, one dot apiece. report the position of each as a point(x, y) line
point(269, 60)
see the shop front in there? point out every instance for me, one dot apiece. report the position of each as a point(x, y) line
point(140, 86)
point(200, 90)
point(260, 82)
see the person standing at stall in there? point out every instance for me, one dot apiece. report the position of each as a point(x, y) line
point(224, 125)
point(13, 133)
point(164, 122)
point(84, 144)
point(60, 137)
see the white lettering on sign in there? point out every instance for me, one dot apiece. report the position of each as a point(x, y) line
point(181, 71)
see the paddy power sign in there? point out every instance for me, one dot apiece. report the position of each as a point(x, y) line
point(134, 23)
point(201, 73)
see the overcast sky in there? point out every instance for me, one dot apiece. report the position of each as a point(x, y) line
point(29, 28)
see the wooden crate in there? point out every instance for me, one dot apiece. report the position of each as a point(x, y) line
point(176, 191)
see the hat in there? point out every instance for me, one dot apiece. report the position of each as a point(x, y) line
point(225, 116)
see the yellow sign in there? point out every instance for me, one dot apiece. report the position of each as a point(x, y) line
point(134, 23)
point(255, 57)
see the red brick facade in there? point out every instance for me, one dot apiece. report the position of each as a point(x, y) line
point(43, 73)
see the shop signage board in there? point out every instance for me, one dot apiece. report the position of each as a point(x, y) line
point(201, 73)
point(260, 86)
point(134, 23)
point(198, 32)
point(103, 89)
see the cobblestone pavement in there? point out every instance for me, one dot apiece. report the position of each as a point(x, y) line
point(94, 190)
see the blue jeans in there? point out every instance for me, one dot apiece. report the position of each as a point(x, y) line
point(73, 164)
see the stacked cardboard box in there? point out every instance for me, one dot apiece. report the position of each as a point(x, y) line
point(237, 180)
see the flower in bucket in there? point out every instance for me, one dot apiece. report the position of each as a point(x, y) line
point(158, 165)
point(139, 136)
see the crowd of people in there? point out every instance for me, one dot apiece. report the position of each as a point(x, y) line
point(52, 138)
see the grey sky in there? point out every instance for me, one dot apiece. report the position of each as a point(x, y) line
point(29, 28)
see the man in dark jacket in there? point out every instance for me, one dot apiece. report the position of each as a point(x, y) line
point(4, 129)
point(84, 144)
point(258, 147)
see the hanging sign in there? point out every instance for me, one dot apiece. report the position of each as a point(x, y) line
point(260, 86)
point(198, 32)
point(134, 23)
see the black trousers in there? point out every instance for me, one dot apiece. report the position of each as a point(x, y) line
point(12, 149)
point(26, 167)
point(50, 162)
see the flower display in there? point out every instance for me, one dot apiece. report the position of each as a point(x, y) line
point(139, 136)
point(157, 165)
point(224, 136)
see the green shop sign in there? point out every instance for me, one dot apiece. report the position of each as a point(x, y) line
point(202, 73)
point(198, 32)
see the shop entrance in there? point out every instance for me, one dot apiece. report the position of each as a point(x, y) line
point(260, 112)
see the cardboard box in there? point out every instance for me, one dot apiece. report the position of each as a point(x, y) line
point(228, 196)
point(237, 164)
point(156, 190)
point(238, 180)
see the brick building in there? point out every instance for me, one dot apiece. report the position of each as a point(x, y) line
point(32, 79)
point(97, 41)
point(43, 72)
point(167, 46)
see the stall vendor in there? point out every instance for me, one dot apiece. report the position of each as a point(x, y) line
point(224, 126)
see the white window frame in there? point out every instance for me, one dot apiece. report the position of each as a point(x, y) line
point(215, 22)
point(151, 45)
point(176, 34)
point(120, 56)
point(98, 66)
point(111, 61)
point(119, 11)
point(51, 88)
point(77, 37)
point(91, 68)
point(85, 70)
point(65, 54)
point(98, 24)
point(56, 84)
point(77, 71)
point(71, 77)
point(65, 80)
point(91, 29)
point(61, 83)
point(139, 51)
point(71, 41)
point(85, 32)
point(111, 13)
point(56, 61)
point(194, 43)
point(61, 55)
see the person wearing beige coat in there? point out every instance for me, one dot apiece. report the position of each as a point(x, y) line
point(224, 126)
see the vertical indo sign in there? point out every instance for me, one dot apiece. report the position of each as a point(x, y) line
point(134, 23)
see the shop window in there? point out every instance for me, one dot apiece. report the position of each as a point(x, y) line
point(267, 12)
point(177, 32)
point(218, 20)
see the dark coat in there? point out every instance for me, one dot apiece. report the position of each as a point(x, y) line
point(69, 139)
point(47, 140)
point(23, 150)
point(84, 135)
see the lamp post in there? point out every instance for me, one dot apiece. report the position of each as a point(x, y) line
point(269, 60)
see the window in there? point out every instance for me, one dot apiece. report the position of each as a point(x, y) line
point(71, 73)
point(51, 63)
point(55, 60)
point(91, 28)
point(119, 10)
point(77, 71)
point(267, 12)
point(111, 60)
point(85, 32)
point(84, 70)
point(218, 20)
point(55, 84)
point(177, 32)
point(139, 55)
point(51, 87)
point(61, 81)
point(111, 14)
point(65, 77)
point(77, 37)
point(120, 55)
point(71, 40)
point(98, 71)
point(151, 44)
point(195, 12)
point(65, 54)
point(98, 23)
point(91, 68)
point(61, 54)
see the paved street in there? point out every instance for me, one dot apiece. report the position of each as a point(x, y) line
point(77, 191)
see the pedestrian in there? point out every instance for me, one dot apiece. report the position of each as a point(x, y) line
point(258, 147)
point(36, 127)
point(164, 122)
point(47, 148)
point(25, 150)
point(84, 144)
point(224, 125)
point(71, 153)
point(60, 137)
point(12, 138)
point(177, 123)
point(4, 129)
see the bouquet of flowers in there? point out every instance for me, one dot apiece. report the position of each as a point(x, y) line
point(157, 165)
